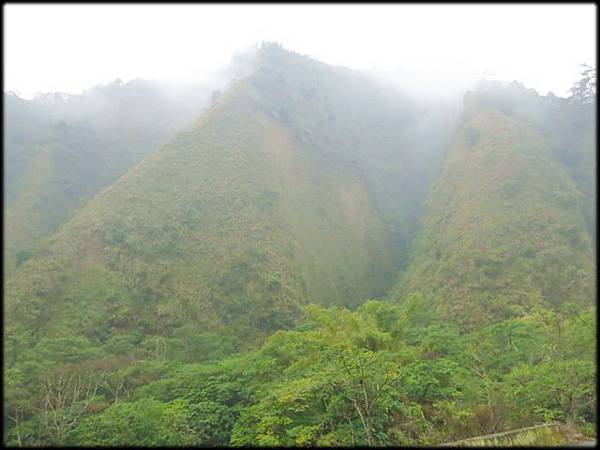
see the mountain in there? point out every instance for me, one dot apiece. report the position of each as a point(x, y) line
point(61, 150)
point(506, 224)
point(571, 125)
point(213, 284)
point(301, 183)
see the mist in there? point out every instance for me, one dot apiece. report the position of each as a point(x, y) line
point(299, 225)
point(428, 50)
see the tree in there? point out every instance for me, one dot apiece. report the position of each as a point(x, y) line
point(66, 395)
point(365, 377)
point(584, 90)
point(557, 389)
point(146, 422)
point(17, 400)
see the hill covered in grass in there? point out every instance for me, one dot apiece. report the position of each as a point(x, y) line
point(217, 292)
point(302, 183)
point(62, 149)
point(506, 224)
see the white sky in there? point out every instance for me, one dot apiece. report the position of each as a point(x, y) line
point(69, 48)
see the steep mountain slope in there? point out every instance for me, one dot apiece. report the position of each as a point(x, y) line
point(571, 125)
point(307, 183)
point(505, 230)
point(61, 150)
point(301, 183)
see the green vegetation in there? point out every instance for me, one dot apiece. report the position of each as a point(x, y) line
point(61, 150)
point(234, 224)
point(213, 292)
point(505, 230)
point(382, 375)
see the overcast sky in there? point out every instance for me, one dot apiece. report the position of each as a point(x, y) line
point(69, 48)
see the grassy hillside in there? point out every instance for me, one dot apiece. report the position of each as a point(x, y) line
point(505, 228)
point(171, 308)
point(61, 150)
point(267, 202)
point(571, 125)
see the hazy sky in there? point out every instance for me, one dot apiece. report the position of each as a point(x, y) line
point(428, 47)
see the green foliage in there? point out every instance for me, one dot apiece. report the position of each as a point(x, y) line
point(174, 308)
point(555, 390)
point(381, 375)
point(66, 350)
point(121, 344)
point(232, 225)
point(146, 422)
point(506, 228)
point(61, 150)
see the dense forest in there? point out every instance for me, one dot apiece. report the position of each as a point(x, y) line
point(308, 257)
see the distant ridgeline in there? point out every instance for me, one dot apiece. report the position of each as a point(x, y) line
point(142, 244)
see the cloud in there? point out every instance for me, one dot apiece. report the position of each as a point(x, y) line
point(435, 47)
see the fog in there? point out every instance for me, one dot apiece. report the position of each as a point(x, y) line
point(437, 50)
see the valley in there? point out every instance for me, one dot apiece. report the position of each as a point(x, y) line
point(310, 258)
